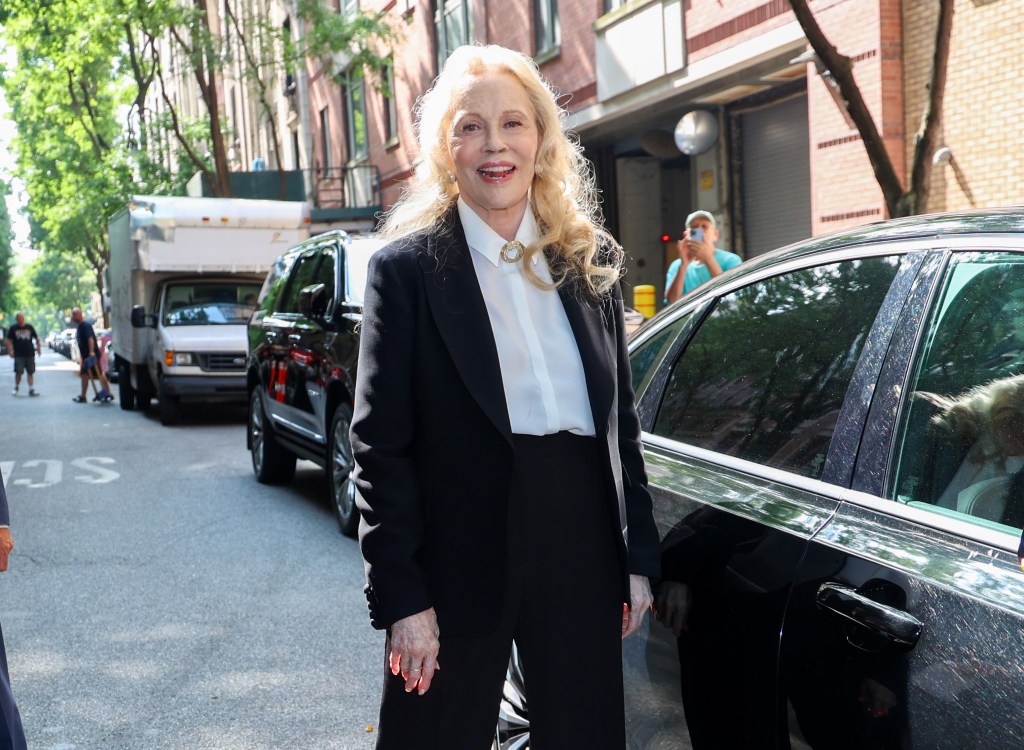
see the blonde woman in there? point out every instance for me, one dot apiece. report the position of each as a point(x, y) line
point(497, 445)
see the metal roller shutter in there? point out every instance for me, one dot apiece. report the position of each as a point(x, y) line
point(776, 176)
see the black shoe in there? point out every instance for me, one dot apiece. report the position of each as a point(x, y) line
point(79, 399)
point(33, 392)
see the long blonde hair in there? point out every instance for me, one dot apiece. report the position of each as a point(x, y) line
point(563, 195)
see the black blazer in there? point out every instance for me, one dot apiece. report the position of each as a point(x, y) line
point(432, 440)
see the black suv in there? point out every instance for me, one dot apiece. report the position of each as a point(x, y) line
point(301, 365)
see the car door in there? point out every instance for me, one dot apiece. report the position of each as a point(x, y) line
point(310, 340)
point(281, 334)
point(747, 396)
point(906, 623)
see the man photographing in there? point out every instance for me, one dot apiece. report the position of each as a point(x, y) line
point(20, 338)
point(699, 260)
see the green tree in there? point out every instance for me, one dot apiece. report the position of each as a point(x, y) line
point(6, 254)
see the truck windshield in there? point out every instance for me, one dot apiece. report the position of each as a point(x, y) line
point(204, 304)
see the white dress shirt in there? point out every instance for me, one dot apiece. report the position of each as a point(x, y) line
point(541, 369)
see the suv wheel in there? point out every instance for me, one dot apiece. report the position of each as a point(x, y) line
point(271, 463)
point(170, 407)
point(513, 731)
point(341, 485)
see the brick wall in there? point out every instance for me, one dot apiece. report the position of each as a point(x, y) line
point(984, 106)
point(844, 191)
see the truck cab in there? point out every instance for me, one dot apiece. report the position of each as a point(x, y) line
point(198, 341)
point(184, 276)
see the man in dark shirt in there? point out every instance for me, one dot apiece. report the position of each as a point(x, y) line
point(20, 338)
point(88, 356)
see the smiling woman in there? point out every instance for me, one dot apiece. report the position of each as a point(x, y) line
point(494, 410)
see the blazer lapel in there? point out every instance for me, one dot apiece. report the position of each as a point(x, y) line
point(460, 314)
point(595, 343)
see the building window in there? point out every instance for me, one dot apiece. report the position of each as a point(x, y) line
point(453, 26)
point(348, 6)
point(547, 34)
point(390, 105)
point(354, 94)
point(325, 138)
point(610, 5)
point(296, 152)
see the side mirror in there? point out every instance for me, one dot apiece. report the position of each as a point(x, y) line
point(138, 316)
point(313, 301)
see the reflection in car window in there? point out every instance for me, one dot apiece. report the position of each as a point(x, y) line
point(962, 432)
point(765, 375)
point(302, 276)
point(274, 284)
point(644, 360)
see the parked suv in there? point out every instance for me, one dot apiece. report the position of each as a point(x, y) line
point(301, 364)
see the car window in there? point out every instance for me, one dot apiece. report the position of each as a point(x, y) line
point(961, 440)
point(303, 274)
point(764, 376)
point(275, 283)
point(645, 358)
point(325, 276)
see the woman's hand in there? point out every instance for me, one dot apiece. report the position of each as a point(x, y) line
point(6, 545)
point(414, 647)
point(640, 601)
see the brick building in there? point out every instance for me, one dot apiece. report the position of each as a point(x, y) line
point(786, 163)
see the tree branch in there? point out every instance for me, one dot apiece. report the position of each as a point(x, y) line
point(841, 69)
point(931, 119)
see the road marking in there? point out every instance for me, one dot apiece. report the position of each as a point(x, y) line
point(53, 471)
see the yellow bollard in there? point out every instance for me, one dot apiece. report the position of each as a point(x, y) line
point(643, 299)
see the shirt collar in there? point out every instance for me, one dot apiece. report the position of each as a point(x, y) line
point(488, 243)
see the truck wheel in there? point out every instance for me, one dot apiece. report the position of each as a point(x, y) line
point(340, 482)
point(169, 408)
point(124, 387)
point(271, 463)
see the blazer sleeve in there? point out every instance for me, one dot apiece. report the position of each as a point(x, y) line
point(5, 517)
point(383, 427)
point(642, 533)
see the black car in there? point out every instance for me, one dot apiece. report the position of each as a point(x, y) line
point(301, 364)
point(834, 436)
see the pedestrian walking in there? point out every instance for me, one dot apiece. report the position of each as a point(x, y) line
point(22, 344)
point(496, 440)
point(12, 736)
point(88, 359)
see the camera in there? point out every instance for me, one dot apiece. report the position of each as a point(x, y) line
point(697, 234)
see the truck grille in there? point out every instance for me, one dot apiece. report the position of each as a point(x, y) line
point(222, 362)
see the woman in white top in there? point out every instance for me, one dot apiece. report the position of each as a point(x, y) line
point(502, 488)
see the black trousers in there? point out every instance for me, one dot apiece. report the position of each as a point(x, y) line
point(562, 606)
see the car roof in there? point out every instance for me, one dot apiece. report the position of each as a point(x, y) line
point(981, 222)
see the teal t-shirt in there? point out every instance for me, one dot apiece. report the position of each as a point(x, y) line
point(698, 273)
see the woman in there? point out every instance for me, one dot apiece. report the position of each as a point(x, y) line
point(11, 735)
point(496, 441)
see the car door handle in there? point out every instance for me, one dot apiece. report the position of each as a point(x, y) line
point(270, 335)
point(294, 336)
point(891, 623)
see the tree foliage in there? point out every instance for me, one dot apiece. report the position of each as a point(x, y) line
point(6, 254)
point(84, 81)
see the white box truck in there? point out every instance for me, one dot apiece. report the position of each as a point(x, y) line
point(183, 278)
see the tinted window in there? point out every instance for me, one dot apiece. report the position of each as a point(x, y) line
point(302, 276)
point(962, 444)
point(325, 276)
point(644, 359)
point(765, 374)
point(275, 282)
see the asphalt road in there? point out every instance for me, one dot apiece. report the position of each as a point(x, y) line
point(158, 598)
